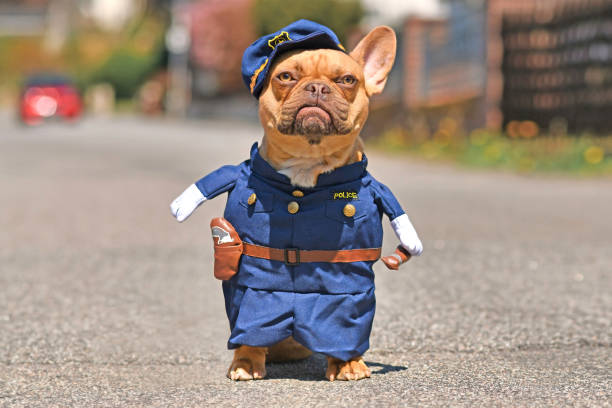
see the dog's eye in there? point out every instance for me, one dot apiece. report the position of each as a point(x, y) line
point(347, 80)
point(285, 76)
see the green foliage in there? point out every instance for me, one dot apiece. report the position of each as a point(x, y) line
point(126, 71)
point(133, 60)
point(125, 59)
point(482, 148)
point(339, 15)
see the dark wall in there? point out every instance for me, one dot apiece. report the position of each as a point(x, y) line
point(557, 67)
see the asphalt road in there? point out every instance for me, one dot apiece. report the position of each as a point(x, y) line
point(105, 300)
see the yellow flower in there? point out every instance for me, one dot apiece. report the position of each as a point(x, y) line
point(493, 152)
point(594, 155)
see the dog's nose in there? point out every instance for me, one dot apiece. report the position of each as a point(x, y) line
point(317, 88)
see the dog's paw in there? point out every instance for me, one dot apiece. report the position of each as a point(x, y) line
point(249, 363)
point(241, 370)
point(354, 369)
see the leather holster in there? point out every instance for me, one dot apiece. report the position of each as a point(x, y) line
point(228, 248)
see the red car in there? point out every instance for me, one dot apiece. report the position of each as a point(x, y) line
point(49, 96)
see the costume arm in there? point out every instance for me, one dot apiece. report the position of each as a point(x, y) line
point(186, 203)
point(208, 187)
point(407, 235)
point(399, 219)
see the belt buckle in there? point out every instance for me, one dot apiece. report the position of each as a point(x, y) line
point(297, 256)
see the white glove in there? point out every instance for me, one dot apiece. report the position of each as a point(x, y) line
point(186, 203)
point(407, 235)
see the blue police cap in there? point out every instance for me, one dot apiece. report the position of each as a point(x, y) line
point(301, 34)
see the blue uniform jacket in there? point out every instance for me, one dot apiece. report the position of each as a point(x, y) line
point(311, 300)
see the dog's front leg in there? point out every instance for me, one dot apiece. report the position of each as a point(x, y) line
point(354, 369)
point(249, 363)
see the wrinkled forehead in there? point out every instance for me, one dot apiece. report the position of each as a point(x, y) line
point(312, 62)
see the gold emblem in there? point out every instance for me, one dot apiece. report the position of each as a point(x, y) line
point(252, 199)
point(293, 207)
point(279, 39)
point(349, 210)
point(297, 193)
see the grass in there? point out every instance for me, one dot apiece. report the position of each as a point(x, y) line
point(522, 152)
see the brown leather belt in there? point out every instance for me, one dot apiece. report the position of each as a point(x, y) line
point(295, 256)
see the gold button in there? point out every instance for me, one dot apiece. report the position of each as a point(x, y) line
point(252, 199)
point(293, 207)
point(349, 210)
point(298, 193)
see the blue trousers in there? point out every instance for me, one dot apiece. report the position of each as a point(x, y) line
point(337, 325)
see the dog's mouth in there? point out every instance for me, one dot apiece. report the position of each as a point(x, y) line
point(315, 113)
point(313, 122)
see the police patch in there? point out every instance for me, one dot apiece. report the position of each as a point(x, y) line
point(345, 195)
point(281, 38)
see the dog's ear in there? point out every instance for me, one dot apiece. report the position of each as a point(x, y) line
point(376, 53)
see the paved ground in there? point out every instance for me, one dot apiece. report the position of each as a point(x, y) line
point(106, 301)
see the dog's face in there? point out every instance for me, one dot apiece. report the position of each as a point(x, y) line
point(314, 102)
point(318, 99)
point(316, 94)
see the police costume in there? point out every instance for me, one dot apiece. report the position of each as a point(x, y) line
point(326, 306)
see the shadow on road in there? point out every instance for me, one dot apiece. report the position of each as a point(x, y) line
point(384, 368)
point(313, 369)
point(309, 369)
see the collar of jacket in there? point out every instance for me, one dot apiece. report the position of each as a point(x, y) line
point(340, 175)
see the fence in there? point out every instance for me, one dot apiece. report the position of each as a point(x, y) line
point(557, 66)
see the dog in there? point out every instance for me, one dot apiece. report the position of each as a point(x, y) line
point(306, 212)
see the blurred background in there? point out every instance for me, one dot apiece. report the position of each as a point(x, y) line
point(517, 84)
point(494, 131)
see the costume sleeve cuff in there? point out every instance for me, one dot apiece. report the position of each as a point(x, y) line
point(186, 203)
point(407, 234)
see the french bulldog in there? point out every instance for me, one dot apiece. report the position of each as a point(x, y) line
point(305, 191)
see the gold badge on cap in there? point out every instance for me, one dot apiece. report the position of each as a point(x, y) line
point(279, 39)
